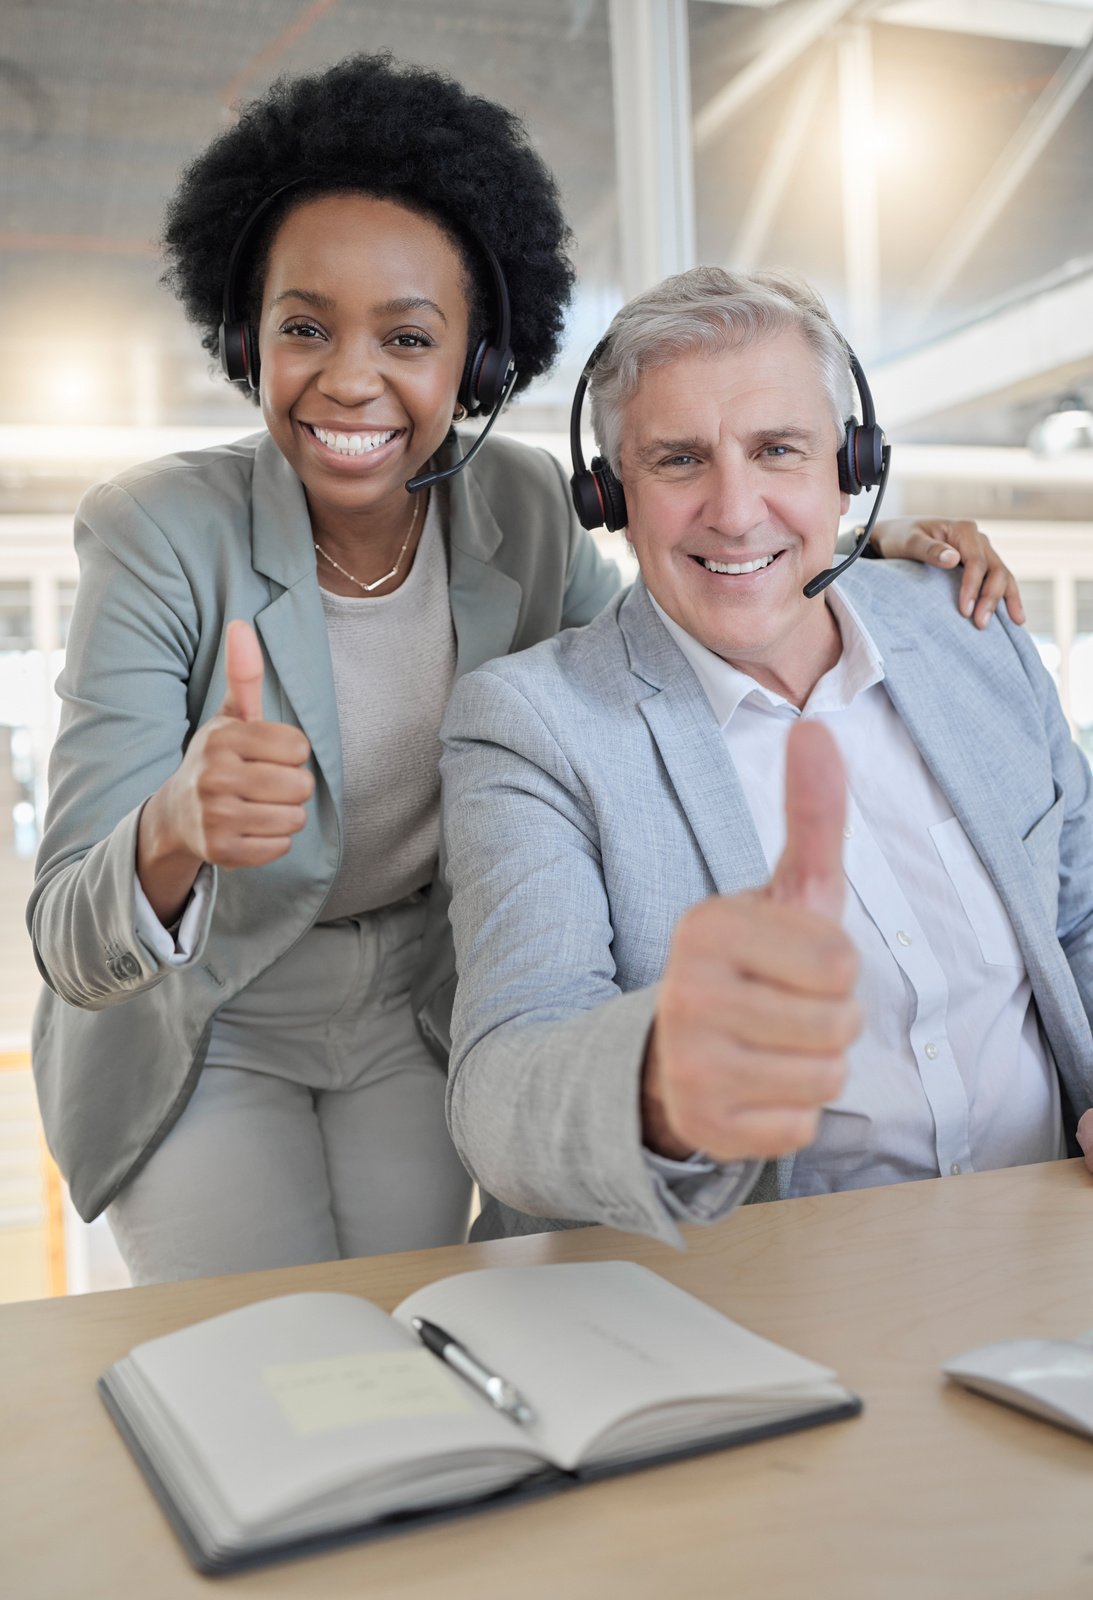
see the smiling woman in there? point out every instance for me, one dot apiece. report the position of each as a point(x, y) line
point(235, 907)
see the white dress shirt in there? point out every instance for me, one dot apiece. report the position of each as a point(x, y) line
point(951, 1072)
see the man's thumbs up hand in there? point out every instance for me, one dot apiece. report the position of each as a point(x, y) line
point(755, 1010)
point(810, 870)
point(239, 795)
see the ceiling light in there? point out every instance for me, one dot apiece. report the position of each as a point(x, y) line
point(1069, 427)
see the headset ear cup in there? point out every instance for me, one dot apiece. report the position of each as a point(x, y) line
point(239, 353)
point(469, 381)
point(869, 455)
point(587, 501)
point(484, 377)
point(598, 497)
point(861, 457)
point(493, 371)
point(250, 347)
point(848, 477)
point(612, 495)
point(233, 359)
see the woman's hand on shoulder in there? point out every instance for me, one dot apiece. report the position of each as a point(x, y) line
point(238, 797)
point(941, 543)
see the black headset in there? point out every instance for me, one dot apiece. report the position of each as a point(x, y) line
point(863, 459)
point(488, 375)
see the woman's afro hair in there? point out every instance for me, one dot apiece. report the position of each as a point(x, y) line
point(374, 126)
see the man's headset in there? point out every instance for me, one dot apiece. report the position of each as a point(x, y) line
point(863, 459)
point(489, 373)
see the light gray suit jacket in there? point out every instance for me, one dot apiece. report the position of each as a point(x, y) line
point(589, 800)
point(169, 553)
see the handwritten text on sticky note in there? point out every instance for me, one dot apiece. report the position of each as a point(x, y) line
point(370, 1386)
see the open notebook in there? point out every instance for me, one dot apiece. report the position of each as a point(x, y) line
point(316, 1415)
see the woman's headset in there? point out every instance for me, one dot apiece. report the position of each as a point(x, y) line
point(488, 375)
point(863, 460)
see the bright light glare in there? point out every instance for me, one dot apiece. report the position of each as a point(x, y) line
point(72, 390)
point(887, 139)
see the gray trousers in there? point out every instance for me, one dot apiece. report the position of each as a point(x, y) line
point(317, 1127)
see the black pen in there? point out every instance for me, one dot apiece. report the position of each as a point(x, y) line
point(497, 1390)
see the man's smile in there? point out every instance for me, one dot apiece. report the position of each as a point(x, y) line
point(735, 568)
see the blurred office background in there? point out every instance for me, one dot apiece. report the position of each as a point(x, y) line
point(924, 162)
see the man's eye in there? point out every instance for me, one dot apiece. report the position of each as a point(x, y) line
point(682, 460)
point(778, 452)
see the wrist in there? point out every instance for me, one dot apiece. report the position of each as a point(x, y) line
point(657, 1134)
point(165, 866)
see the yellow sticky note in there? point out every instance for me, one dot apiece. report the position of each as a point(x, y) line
point(369, 1386)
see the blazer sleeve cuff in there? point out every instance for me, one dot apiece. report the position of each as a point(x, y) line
point(699, 1189)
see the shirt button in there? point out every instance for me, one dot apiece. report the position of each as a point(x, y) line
point(903, 938)
point(954, 1169)
point(848, 831)
point(931, 1051)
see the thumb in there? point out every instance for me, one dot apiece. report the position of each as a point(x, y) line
point(810, 871)
point(930, 542)
point(1085, 1136)
point(245, 668)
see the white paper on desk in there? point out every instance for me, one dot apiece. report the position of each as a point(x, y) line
point(1051, 1378)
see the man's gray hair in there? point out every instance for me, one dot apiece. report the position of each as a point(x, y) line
point(704, 312)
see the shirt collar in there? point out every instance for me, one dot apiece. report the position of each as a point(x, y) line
point(859, 667)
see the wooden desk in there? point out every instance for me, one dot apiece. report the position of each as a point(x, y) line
point(933, 1494)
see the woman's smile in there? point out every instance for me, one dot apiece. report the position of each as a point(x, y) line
point(360, 451)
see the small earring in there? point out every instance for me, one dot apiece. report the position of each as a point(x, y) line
point(460, 413)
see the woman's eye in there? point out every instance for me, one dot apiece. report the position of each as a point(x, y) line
point(411, 341)
point(302, 330)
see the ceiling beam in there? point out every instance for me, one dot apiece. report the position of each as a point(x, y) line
point(1048, 332)
point(1066, 23)
point(1013, 165)
point(790, 42)
point(779, 164)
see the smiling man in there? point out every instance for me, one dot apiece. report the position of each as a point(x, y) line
point(696, 963)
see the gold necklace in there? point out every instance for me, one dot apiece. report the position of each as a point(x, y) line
point(368, 587)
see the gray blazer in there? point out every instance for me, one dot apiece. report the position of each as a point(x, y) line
point(169, 553)
point(589, 799)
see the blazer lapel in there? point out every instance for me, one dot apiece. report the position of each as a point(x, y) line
point(485, 601)
point(292, 627)
point(692, 748)
point(953, 719)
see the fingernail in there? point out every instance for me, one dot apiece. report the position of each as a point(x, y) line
point(949, 556)
point(966, 608)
